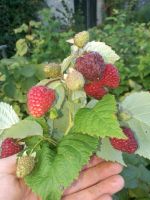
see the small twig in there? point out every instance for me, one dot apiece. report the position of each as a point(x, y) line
point(51, 141)
point(36, 146)
point(51, 81)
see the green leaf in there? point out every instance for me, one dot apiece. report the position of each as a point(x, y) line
point(79, 97)
point(28, 70)
point(100, 120)
point(60, 96)
point(56, 170)
point(108, 153)
point(24, 128)
point(92, 103)
point(67, 62)
point(21, 47)
point(40, 74)
point(123, 195)
point(137, 107)
point(62, 123)
point(34, 24)
point(22, 28)
point(1, 132)
point(26, 84)
point(58, 87)
point(43, 82)
point(8, 117)
point(131, 176)
point(42, 121)
point(10, 89)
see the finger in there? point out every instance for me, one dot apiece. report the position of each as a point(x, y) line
point(105, 197)
point(8, 165)
point(94, 175)
point(109, 186)
point(31, 196)
point(93, 162)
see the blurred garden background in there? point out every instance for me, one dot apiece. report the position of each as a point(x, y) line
point(34, 32)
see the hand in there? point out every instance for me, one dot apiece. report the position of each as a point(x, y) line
point(98, 181)
point(12, 188)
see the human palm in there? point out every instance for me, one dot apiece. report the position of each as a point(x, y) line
point(99, 180)
point(12, 188)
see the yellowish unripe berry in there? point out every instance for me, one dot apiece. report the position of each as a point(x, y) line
point(74, 80)
point(52, 70)
point(81, 39)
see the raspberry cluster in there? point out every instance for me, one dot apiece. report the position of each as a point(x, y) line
point(99, 76)
point(90, 72)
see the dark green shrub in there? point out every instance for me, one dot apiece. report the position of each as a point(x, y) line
point(143, 15)
point(17, 75)
point(128, 6)
point(40, 42)
point(136, 10)
point(13, 14)
point(43, 41)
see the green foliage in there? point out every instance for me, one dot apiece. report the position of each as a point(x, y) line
point(139, 119)
point(19, 74)
point(137, 175)
point(136, 10)
point(43, 41)
point(13, 14)
point(42, 122)
point(136, 115)
point(100, 120)
point(137, 178)
point(143, 14)
point(127, 5)
point(61, 166)
point(108, 153)
point(23, 129)
point(132, 42)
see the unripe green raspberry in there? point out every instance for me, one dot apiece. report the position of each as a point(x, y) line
point(52, 70)
point(81, 39)
point(74, 80)
point(25, 165)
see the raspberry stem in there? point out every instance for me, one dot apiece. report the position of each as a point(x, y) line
point(35, 146)
point(51, 81)
point(51, 141)
point(70, 124)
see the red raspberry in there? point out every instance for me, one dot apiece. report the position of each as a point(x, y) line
point(125, 145)
point(110, 77)
point(95, 90)
point(39, 100)
point(90, 65)
point(10, 147)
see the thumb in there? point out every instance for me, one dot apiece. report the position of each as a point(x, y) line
point(8, 165)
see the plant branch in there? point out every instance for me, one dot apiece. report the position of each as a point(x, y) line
point(51, 81)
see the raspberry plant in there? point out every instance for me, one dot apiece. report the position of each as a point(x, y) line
point(73, 125)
